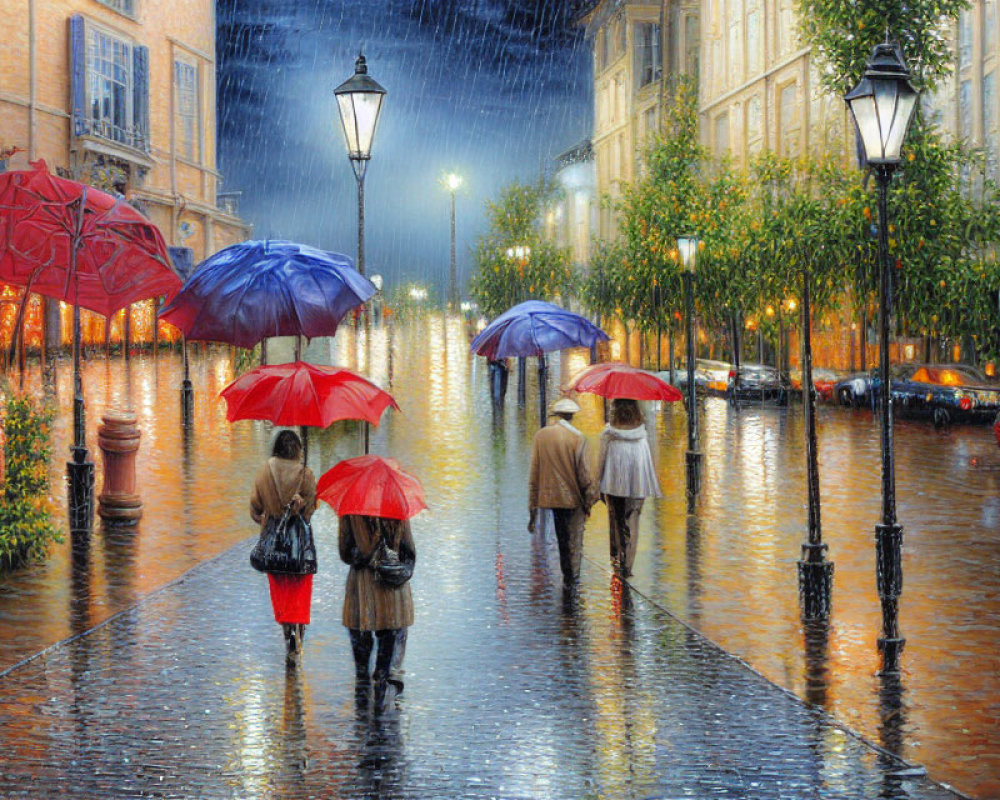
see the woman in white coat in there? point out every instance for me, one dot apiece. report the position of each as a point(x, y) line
point(626, 478)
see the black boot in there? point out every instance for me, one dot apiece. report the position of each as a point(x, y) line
point(293, 645)
point(361, 645)
point(380, 681)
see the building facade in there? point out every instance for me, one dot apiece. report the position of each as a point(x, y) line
point(635, 47)
point(121, 94)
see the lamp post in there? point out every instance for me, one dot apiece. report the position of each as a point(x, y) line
point(882, 105)
point(452, 182)
point(359, 99)
point(688, 249)
point(521, 254)
point(815, 572)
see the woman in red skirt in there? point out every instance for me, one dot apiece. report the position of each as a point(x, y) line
point(284, 479)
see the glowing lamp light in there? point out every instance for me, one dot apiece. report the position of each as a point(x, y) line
point(360, 101)
point(377, 282)
point(882, 105)
point(687, 246)
point(453, 181)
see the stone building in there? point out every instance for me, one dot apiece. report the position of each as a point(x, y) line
point(121, 94)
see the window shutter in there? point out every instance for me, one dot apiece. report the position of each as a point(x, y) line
point(140, 96)
point(78, 74)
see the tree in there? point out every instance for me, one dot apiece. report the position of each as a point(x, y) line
point(514, 262)
point(945, 213)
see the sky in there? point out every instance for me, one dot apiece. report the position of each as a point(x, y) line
point(491, 89)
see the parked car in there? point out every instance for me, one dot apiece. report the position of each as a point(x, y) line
point(856, 389)
point(758, 383)
point(823, 380)
point(948, 393)
point(710, 377)
point(945, 393)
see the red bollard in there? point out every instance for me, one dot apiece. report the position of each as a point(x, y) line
point(118, 438)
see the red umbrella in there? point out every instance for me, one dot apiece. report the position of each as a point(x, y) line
point(305, 394)
point(72, 242)
point(373, 486)
point(611, 379)
point(66, 240)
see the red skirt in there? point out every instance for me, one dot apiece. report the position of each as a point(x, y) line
point(291, 597)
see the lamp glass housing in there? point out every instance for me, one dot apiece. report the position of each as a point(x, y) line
point(882, 105)
point(359, 99)
point(687, 246)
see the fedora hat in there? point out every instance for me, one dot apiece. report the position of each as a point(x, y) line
point(564, 406)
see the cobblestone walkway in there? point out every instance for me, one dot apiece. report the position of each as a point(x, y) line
point(513, 691)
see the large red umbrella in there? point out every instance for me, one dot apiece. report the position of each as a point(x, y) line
point(611, 379)
point(305, 394)
point(373, 486)
point(66, 240)
point(72, 242)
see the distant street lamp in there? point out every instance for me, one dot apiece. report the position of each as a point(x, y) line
point(688, 249)
point(452, 182)
point(882, 105)
point(359, 99)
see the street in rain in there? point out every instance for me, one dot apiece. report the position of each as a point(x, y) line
point(548, 399)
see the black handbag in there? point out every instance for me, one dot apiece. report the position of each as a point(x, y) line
point(285, 546)
point(390, 569)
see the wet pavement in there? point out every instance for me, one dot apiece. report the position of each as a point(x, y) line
point(510, 692)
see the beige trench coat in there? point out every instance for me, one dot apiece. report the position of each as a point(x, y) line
point(368, 604)
point(276, 482)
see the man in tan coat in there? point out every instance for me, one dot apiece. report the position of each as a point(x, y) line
point(560, 480)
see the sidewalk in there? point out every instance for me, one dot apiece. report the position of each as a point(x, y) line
point(512, 691)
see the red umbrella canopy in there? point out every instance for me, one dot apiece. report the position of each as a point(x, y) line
point(621, 380)
point(305, 394)
point(373, 486)
point(72, 242)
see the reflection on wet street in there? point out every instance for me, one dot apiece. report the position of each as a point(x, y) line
point(496, 643)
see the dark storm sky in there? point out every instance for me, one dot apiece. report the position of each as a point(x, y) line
point(491, 89)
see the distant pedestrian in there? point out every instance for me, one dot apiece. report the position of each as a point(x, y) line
point(626, 477)
point(498, 380)
point(284, 480)
point(560, 480)
point(374, 610)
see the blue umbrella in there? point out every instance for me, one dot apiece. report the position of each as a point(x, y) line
point(534, 328)
point(256, 289)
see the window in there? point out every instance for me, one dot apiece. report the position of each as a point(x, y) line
point(648, 64)
point(722, 132)
point(735, 52)
point(753, 42)
point(989, 27)
point(649, 123)
point(605, 47)
point(964, 39)
point(124, 7)
point(789, 120)
point(188, 118)
point(753, 118)
point(691, 35)
point(110, 85)
point(990, 126)
point(965, 109)
point(786, 27)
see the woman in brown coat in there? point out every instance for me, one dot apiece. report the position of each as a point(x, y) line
point(284, 479)
point(371, 606)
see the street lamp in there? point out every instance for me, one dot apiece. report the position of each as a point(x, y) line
point(815, 572)
point(452, 182)
point(882, 105)
point(359, 99)
point(688, 248)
